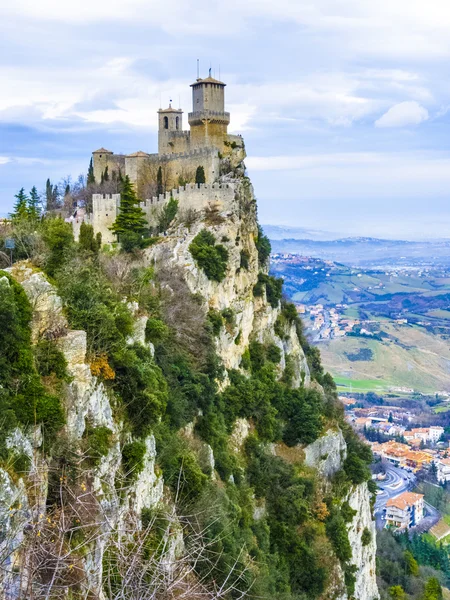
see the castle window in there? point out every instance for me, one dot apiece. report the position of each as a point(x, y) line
point(177, 123)
point(166, 122)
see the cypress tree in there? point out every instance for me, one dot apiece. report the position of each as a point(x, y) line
point(159, 182)
point(20, 207)
point(48, 194)
point(200, 175)
point(131, 217)
point(34, 204)
point(90, 175)
point(106, 174)
point(87, 241)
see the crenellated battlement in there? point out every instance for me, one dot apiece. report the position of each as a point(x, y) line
point(214, 192)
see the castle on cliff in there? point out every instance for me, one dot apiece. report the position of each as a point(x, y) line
point(179, 154)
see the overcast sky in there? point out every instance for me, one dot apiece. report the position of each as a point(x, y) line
point(344, 104)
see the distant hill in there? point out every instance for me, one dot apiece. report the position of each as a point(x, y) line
point(366, 251)
point(284, 232)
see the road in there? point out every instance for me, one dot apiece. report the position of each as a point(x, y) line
point(397, 481)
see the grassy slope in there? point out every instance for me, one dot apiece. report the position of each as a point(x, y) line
point(422, 361)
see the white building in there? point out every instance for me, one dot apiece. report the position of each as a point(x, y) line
point(404, 511)
point(443, 470)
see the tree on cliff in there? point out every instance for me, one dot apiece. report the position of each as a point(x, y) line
point(200, 175)
point(20, 207)
point(130, 223)
point(34, 204)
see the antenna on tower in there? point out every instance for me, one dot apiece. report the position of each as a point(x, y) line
point(219, 72)
point(179, 101)
point(198, 68)
point(160, 101)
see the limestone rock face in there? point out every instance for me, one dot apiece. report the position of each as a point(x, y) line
point(363, 556)
point(48, 317)
point(235, 228)
point(327, 453)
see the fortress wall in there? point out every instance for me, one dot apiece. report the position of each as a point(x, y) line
point(104, 212)
point(115, 162)
point(76, 224)
point(194, 197)
point(183, 165)
point(173, 142)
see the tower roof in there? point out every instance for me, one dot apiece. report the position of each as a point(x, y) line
point(208, 80)
point(138, 153)
point(170, 109)
point(102, 151)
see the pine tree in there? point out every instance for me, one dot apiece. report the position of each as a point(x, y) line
point(90, 175)
point(34, 204)
point(433, 590)
point(20, 207)
point(159, 182)
point(51, 195)
point(131, 217)
point(200, 175)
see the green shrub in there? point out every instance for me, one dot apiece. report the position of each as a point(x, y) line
point(181, 470)
point(141, 386)
point(87, 241)
point(257, 355)
point(273, 287)
point(50, 360)
point(209, 256)
point(228, 315)
point(98, 442)
point(133, 455)
point(263, 246)
point(167, 215)
point(156, 330)
point(366, 537)
point(92, 305)
point(58, 237)
point(245, 257)
point(273, 354)
point(347, 512)
point(215, 321)
point(23, 398)
point(302, 412)
point(246, 362)
point(21, 463)
point(337, 533)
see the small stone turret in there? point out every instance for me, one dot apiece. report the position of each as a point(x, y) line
point(170, 121)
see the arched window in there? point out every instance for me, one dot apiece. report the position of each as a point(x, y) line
point(177, 123)
point(166, 122)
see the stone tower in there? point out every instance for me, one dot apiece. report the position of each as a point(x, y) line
point(170, 121)
point(208, 120)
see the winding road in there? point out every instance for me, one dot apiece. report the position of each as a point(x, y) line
point(397, 481)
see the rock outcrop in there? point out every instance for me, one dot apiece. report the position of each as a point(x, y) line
point(88, 402)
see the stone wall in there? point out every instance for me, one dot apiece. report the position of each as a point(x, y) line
point(194, 197)
point(104, 214)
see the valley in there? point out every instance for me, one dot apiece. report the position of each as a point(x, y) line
point(383, 328)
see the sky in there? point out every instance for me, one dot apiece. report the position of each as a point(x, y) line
point(344, 104)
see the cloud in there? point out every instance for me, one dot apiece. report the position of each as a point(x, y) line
point(4, 160)
point(403, 115)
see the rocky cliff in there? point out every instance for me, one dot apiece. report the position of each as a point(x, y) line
point(106, 489)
